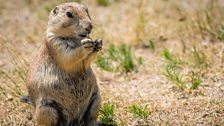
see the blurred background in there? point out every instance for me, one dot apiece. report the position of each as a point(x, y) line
point(161, 63)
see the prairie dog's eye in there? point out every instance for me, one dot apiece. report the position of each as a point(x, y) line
point(69, 14)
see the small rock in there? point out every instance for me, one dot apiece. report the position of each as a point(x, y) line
point(9, 98)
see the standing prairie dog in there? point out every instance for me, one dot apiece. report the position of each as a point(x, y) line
point(61, 84)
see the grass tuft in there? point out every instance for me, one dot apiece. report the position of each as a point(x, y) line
point(152, 45)
point(172, 73)
point(170, 57)
point(103, 63)
point(195, 80)
point(127, 62)
point(107, 115)
point(119, 59)
point(139, 112)
point(172, 70)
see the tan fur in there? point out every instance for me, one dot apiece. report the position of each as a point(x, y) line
point(61, 71)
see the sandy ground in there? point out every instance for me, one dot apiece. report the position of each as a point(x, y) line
point(22, 27)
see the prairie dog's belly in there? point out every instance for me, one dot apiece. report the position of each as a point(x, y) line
point(73, 99)
point(71, 91)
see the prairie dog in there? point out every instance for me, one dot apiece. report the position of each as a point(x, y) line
point(61, 84)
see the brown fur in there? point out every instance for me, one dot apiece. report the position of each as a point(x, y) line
point(61, 84)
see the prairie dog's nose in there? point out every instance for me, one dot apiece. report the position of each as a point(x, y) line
point(88, 27)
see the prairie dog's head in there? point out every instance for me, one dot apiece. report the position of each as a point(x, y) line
point(69, 20)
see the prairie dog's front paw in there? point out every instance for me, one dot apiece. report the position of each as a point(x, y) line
point(87, 44)
point(97, 45)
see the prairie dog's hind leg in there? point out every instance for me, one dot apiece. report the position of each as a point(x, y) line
point(92, 111)
point(49, 113)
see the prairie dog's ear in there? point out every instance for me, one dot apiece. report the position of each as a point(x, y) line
point(87, 11)
point(55, 10)
point(85, 8)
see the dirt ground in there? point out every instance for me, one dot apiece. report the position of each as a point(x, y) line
point(168, 23)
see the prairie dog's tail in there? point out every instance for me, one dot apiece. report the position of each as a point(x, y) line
point(25, 99)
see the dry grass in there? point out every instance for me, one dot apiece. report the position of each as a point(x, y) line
point(192, 31)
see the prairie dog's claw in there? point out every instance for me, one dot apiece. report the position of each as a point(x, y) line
point(99, 41)
point(87, 43)
point(97, 45)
